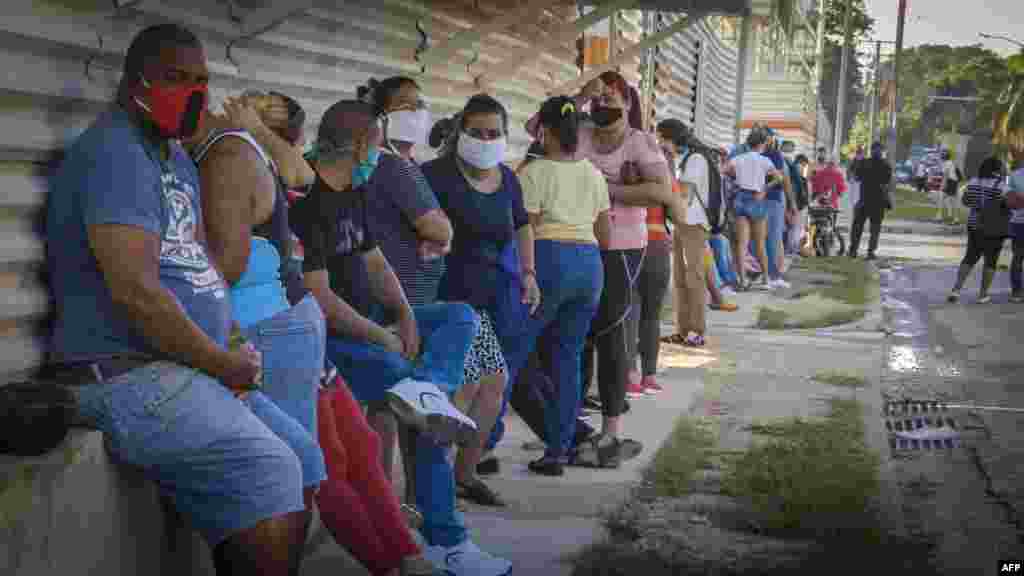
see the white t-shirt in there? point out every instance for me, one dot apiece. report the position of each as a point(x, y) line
point(752, 169)
point(696, 174)
point(948, 170)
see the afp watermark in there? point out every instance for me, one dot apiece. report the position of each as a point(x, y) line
point(1010, 567)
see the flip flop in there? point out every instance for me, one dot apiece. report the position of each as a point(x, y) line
point(677, 339)
point(478, 492)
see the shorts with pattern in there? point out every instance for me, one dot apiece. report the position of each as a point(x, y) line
point(485, 357)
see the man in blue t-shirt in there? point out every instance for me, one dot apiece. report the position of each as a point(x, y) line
point(142, 319)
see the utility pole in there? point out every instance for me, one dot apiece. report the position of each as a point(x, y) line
point(843, 83)
point(874, 91)
point(896, 105)
point(742, 63)
point(819, 65)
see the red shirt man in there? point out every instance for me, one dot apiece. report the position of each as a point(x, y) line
point(828, 180)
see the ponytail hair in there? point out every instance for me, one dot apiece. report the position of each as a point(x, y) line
point(442, 136)
point(560, 114)
point(378, 93)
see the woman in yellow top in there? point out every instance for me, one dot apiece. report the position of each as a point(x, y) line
point(567, 202)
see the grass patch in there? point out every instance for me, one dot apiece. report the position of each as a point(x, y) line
point(813, 478)
point(841, 301)
point(857, 284)
point(840, 378)
point(772, 318)
point(905, 193)
point(814, 311)
point(909, 204)
point(677, 461)
point(920, 212)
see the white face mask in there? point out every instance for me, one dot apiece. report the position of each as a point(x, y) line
point(409, 126)
point(482, 154)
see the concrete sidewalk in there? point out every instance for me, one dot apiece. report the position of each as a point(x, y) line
point(549, 519)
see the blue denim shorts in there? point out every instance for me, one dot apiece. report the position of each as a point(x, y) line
point(292, 343)
point(226, 463)
point(749, 207)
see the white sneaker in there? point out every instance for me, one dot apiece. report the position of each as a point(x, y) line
point(728, 291)
point(467, 559)
point(423, 406)
point(779, 283)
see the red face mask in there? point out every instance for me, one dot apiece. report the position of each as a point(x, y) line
point(175, 111)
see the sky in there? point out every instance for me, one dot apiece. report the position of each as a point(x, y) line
point(953, 22)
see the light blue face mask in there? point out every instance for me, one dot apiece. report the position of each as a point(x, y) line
point(362, 172)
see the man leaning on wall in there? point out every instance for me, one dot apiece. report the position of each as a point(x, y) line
point(142, 318)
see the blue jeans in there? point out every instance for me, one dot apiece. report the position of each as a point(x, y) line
point(776, 214)
point(720, 248)
point(571, 278)
point(228, 464)
point(446, 333)
point(292, 344)
point(776, 224)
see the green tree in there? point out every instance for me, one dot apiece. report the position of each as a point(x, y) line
point(859, 135)
point(1008, 111)
point(940, 70)
point(861, 26)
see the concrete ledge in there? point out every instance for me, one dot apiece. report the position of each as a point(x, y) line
point(74, 512)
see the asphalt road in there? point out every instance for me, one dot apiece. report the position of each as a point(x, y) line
point(960, 484)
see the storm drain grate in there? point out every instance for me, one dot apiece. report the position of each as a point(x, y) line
point(898, 444)
point(920, 426)
point(894, 408)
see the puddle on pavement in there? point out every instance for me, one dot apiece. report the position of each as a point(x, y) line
point(894, 304)
point(904, 360)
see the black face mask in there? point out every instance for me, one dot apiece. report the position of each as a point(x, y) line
point(604, 116)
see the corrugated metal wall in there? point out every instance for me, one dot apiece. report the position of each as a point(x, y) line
point(697, 57)
point(62, 60)
point(49, 95)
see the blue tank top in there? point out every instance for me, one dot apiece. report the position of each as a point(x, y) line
point(260, 292)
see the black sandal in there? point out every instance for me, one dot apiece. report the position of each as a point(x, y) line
point(488, 466)
point(479, 493)
point(596, 452)
point(547, 466)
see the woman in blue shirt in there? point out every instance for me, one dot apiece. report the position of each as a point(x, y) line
point(491, 263)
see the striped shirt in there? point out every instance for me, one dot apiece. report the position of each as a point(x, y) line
point(1017, 185)
point(401, 195)
point(977, 194)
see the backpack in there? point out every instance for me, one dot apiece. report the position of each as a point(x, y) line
point(799, 186)
point(713, 209)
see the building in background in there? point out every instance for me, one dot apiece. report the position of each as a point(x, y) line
point(780, 87)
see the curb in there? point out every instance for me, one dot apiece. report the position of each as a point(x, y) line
point(944, 231)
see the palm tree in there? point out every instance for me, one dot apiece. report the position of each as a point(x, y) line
point(1008, 119)
point(783, 12)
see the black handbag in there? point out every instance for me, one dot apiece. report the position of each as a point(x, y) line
point(994, 218)
point(35, 417)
